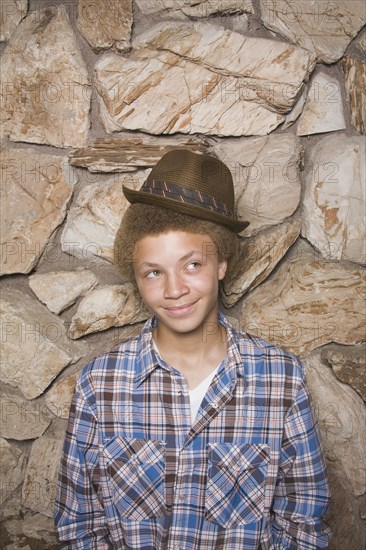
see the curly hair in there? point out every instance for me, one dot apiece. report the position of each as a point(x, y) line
point(141, 220)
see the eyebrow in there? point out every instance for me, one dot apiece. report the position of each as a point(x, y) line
point(182, 259)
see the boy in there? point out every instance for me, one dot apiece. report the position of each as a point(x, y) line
point(190, 436)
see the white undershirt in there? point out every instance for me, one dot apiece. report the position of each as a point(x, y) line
point(198, 393)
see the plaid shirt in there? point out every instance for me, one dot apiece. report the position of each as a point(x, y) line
point(137, 475)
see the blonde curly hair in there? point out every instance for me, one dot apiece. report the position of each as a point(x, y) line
point(141, 220)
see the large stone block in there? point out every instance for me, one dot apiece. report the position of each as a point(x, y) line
point(45, 91)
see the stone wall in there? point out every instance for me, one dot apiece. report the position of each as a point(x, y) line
point(93, 93)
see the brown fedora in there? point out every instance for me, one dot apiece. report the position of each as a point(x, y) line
point(194, 184)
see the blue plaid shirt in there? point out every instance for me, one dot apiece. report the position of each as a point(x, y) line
point(137, 475)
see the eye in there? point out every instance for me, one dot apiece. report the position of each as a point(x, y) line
point(152, 274)
point(193, 266)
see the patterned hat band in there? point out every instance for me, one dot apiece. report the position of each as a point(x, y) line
point(186, 195)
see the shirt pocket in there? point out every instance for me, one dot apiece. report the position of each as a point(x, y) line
point(236, 483)
point(136, 471)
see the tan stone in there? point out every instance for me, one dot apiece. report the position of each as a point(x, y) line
point(122, 154)
point(360, 42)
point(22, 419)
point(268, 71)
point(45, 94)
point(106, 307)
point(59, 397)
point(32, 526)
point(106, 23)
point(59, 290)
point(323, 109)
point(334, 199)
point(35, 190)
point(342, 419)
point(266, 178)
point(12, 466)
point(39, 488)
point(194, 8)
point(256, 258)
point(11, 14)
point(325, 28)
point(308, 302)
point(34, 344)
point(93, 221)
point(355, 74)
point(349, 365)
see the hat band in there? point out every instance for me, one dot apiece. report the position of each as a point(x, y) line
point(186, 195)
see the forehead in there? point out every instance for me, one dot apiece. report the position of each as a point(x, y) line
point(173, 245)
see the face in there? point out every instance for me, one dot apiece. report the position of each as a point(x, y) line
point(178, 276)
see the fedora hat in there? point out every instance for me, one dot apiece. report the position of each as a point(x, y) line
point(195, 184)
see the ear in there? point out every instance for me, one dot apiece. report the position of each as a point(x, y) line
point(222, 269)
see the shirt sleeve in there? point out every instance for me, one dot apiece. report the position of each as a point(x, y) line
point(302, 492)
point(80, 520)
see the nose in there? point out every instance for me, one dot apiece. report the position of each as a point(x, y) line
point(175, 287)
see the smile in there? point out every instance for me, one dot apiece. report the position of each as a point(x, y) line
point(180, 311)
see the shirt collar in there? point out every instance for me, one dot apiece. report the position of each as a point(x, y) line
point(149, 359)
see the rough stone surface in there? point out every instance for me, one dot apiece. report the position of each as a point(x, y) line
point(360, 42)
point(22, 419)
point(349, 365)
point(12, 465)
point(323, 109)
point(59, 290)
point(45, 94)
point(106, 24)
point(325, 28)
point(256, 258)
point(35, 528)
point(194, 8)
point(266, 178)
point(342, 420)
point(129, 154)
point(93, 222)
point(58, 398)
point(334, 200)
point(183, 70)
point(355, 74)
point(11, 14)
point(35, 191)
point(105, 307)
point(39, 488)
point(307, 303)
point(35, 347)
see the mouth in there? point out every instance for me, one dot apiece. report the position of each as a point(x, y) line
point(180, 311)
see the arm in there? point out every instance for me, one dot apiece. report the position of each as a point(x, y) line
point(79, 515)
point(302, 493)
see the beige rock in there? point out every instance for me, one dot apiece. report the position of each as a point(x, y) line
point(59, 290)
point(323, 110)
point(12, 466)
point(32, 526)
point(34, 345)
point(11, 14)
point(106, 307)
point(39, 488)
point(325, 28)
point(35, 190)
point(22, 419)
point(268, 71)
point(59, 397)
point(194, 8)
point(187, 98)
point(334, 200)
point(130, 154)
point(93, 222)
point(45, 94)
point(106, 23)
point(295, 112)
point(307, 303)
point(256, 258)
point(355, 73)
point(266, 178)
point(342, 420)
point(360, 42)
point(349, 365)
